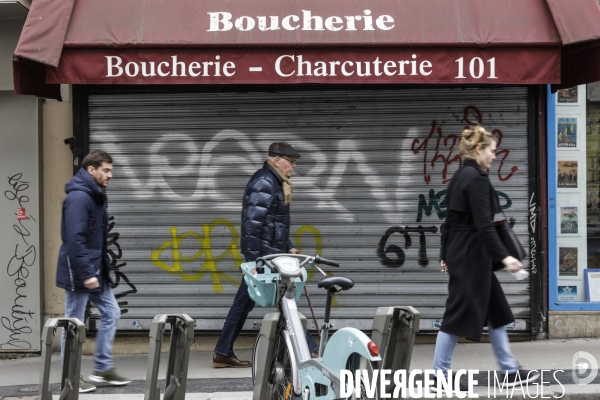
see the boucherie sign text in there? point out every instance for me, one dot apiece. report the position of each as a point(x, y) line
point(480, 42)
point(225, 21)
point(311, 42)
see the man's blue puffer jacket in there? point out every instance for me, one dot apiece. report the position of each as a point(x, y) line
point(265, 217)
point(84, 225)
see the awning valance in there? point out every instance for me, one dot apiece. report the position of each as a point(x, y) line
point(422, 41)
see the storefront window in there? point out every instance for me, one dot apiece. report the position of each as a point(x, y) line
point(592, 134)
point(574, 198)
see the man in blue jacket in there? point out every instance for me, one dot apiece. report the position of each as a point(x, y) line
point(83, 263)
point(265, 230)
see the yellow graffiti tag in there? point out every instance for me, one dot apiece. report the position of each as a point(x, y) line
point(210, 263)
point(318, 242)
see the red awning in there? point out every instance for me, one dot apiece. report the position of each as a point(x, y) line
point(578, 23)
point(291, 41)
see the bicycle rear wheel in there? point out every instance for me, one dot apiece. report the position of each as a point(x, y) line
point(367, 391)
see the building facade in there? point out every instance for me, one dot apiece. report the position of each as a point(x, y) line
point(21, 245)
point(188, 110)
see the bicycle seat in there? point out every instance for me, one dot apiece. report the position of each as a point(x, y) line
point(344, 283)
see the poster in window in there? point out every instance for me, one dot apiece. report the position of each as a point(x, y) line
point(567, 293)
point(592, 129)
point(593, 91)
point(593, 204)
point(567, 261)
point(592, 284)
point(567, 174)
point(568, 96)
point(569, 220)
point(567, 132)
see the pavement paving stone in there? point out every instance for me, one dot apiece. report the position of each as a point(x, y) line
point(207, 383)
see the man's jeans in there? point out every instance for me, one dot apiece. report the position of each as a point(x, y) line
point(110, 313)
point(242, 305)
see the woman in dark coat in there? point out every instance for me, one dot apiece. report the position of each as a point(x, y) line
point(470, 248)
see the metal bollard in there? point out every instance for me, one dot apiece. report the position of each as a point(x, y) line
point(75, 337)
point(263, 354)
point(394, 330)
point(182, 335)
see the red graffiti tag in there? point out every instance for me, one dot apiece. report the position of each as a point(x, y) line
point(446, 148)
point(446, 156)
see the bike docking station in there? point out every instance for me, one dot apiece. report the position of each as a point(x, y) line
point(394, 330)
point(74, 338)
point(182, 335)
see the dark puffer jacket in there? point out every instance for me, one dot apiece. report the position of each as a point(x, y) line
point(84, 225)
point(265, 217)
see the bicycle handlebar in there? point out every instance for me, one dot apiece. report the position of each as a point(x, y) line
point(321, 260)
point(261, 261)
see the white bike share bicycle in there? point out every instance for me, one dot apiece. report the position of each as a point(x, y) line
point(282, 367)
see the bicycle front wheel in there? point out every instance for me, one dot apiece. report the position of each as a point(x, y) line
point(283, 369)
point(255, 350)
point(368, 388)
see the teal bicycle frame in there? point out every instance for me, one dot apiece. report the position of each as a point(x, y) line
point(282, 363)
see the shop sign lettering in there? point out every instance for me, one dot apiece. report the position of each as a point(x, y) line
point(291, 65)
point(224, 21)
point(270, 65)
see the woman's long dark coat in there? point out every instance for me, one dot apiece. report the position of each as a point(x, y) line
point(470, 245)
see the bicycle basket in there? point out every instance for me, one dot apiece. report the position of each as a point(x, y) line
point(262, 288)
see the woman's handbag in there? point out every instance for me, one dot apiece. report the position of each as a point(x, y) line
point(509, 239)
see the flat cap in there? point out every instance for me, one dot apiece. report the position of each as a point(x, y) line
point(283, 149)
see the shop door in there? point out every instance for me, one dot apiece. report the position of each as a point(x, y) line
point(368, 191)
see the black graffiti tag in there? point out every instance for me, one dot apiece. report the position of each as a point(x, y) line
point(17, 186)
point(24, 257)
point(533, 210)
point(115, 266)
point(383, 251)
point(19, 325)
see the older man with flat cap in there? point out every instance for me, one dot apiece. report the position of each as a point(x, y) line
point(265, 230)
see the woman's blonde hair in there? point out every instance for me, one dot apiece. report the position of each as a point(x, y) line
point(472, 137)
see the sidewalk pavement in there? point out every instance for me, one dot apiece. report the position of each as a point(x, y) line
point(19, 377)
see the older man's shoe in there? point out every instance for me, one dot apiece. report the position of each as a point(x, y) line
point(232, 361)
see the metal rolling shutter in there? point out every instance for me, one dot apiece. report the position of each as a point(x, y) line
point(374, 162)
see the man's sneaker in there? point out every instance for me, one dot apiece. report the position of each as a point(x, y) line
point(110, 376)
point(522, 376)
point(85, 386)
